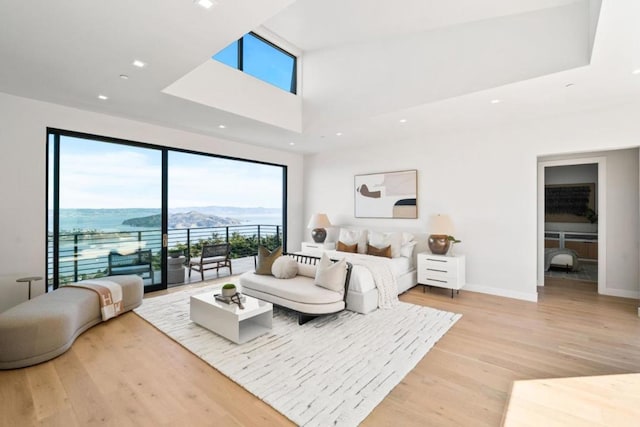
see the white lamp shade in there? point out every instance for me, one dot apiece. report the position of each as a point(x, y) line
point(441, 224)
point(319, 220)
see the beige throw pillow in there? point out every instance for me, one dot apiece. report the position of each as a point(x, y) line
point(266, 260)
point(284, 267)
point(331, 275)
point(354, 237)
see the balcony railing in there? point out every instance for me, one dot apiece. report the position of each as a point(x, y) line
point(84, 255)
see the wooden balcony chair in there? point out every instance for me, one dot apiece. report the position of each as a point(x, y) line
point(213, 256)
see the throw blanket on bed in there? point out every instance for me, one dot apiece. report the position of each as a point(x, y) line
point(383, 277)
point(109, 293)
point(549, 253)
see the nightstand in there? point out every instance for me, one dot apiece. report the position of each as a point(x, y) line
point(316, 249)
point(441, 271)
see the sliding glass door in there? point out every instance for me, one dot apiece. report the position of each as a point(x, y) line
point(105, 210)
point(120, 207)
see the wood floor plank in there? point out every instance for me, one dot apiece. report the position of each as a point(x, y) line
point(126, 372)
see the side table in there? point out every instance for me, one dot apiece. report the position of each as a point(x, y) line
point(29, 279)
point(175, 270)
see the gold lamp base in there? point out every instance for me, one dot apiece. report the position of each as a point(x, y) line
point(439, 244)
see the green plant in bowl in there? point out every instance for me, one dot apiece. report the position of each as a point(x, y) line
point(228, 290)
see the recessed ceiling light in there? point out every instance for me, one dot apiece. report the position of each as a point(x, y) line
point(403, 120)
point(222, 126)
point(338, 133)
point(205, 3)
point(496, 101)
point(138, 63)
point(292, 144)
point(124, 77)
point(103, 97)
point(636, 71)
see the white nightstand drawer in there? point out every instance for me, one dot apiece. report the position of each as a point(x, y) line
point(316, 249)
point(442, 271)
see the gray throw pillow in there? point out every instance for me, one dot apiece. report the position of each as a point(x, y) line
point(266, 259)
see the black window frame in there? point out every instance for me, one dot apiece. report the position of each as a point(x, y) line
point(240, 59)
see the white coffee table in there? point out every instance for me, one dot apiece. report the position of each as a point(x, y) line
point(229, 320)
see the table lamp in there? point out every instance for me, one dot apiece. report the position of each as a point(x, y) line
point(318, 223)
point(440, 227)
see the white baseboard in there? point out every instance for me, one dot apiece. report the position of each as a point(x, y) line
point(526, 296)
point(623, 293)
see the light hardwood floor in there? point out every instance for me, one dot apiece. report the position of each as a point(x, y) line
point(125, 372)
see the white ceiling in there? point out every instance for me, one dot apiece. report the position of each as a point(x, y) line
point(366, 64)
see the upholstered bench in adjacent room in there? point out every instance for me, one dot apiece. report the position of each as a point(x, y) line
point(45, 327)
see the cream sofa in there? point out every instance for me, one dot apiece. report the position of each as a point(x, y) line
point(299, 293)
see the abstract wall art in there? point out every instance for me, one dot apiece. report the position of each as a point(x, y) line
point(387, 195)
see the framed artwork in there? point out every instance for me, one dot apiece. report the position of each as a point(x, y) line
point(386, 195)
point(570, 202)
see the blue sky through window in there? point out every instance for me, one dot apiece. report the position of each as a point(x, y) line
point(261, 60)
point(97, 174)
point(267, 63)
point(228, 55)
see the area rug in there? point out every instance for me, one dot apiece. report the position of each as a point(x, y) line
point(331, 371)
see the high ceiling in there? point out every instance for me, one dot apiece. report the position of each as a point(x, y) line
point(376, 72)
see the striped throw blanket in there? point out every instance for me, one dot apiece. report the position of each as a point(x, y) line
point(110, 294)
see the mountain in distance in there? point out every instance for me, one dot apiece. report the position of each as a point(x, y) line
point(228, 211)
point(190, 219)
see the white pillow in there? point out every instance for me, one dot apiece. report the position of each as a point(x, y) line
point(406, 250)
point(352, 237)
point(331, 275)
point(284, 268)
point(307, 270)
point(407, 238)
point(382, 240)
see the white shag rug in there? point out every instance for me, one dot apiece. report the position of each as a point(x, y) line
point(332, 370)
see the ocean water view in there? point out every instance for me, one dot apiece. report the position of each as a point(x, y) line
point(112, 219)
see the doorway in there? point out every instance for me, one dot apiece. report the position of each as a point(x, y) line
point(571, 220)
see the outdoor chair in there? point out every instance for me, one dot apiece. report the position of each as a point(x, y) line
point(138, 262)
point(213, 256)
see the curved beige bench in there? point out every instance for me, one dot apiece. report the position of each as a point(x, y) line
point(45, 327)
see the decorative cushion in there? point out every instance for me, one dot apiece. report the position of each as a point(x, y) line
point(284, 268)
point(406, 250)
point(307, 270)
point(382, 240)
point(385, 252)
point(407, 238)
point(266, 259)
point(343, 247)
point(331, 275)
point(357, 237)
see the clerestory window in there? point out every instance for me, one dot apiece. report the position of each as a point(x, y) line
point(262, 59)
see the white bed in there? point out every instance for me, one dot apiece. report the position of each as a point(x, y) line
point(363, 294)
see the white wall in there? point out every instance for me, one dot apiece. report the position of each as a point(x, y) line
point(485, 179)
point(23, 175)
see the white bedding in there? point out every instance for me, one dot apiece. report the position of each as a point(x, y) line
point(361, 278)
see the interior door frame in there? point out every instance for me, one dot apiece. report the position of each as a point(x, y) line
point(602, 214)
